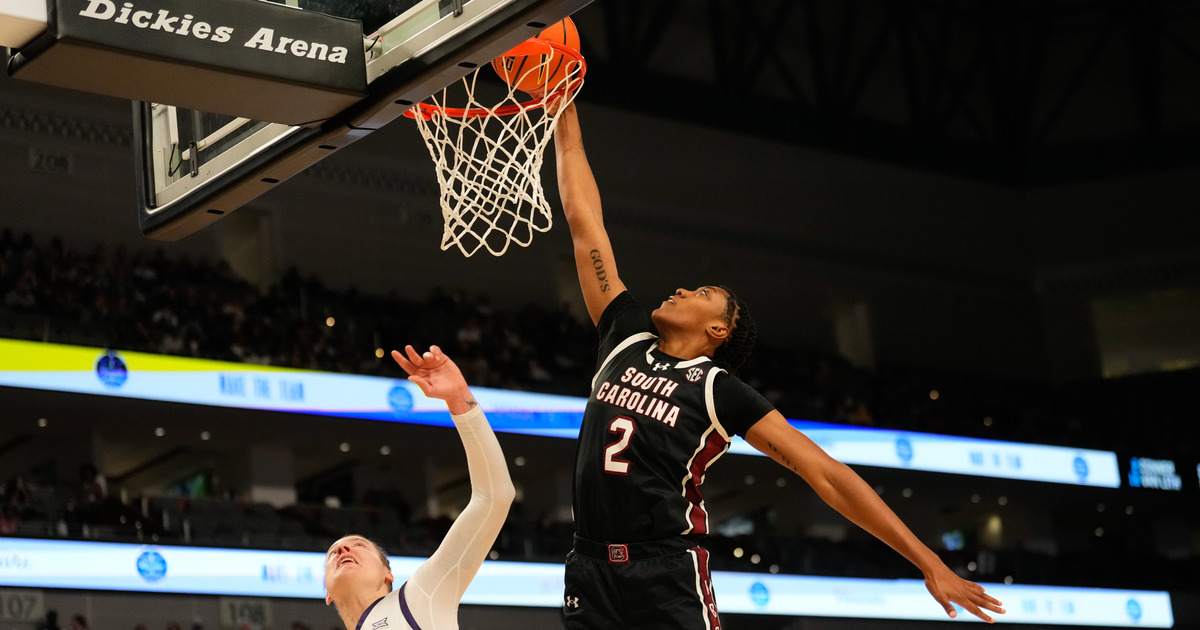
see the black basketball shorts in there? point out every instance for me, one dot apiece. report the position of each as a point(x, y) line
point(655, 585)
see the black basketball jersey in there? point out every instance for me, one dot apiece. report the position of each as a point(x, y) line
point(651, 428)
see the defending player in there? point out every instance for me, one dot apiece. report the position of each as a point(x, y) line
point(661, 411)
point(358, 577)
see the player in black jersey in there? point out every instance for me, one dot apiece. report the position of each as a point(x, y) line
point(663, 408)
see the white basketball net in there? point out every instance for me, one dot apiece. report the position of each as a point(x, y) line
point(488, 160)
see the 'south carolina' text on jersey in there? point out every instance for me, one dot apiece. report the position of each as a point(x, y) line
point(640, 393)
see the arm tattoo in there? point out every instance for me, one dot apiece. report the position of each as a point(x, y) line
point(782, 459)
point(601, 272)
point(472, 403)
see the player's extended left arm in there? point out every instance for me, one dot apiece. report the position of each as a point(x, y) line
point(846, 492)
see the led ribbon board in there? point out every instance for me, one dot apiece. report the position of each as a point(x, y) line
point(201, 382)
point(248, 573)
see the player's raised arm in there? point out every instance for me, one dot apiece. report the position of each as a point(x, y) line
point(846, 492)
point(436, 587)
point(581, 203)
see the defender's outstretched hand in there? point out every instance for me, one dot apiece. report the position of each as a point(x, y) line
point(949, 589)
point(437, 376)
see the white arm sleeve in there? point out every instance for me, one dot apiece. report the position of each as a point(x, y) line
point(437, 586)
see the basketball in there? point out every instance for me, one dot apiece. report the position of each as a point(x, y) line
point(530, 73)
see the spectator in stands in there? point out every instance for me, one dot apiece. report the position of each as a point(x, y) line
point(19, 495)
point(50, 622)
point(92, 491)
point(92, 486)
point(358, 576)
point(9, 522)
point(21, 296)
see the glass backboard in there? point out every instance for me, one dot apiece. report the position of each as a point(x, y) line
point(195, 167)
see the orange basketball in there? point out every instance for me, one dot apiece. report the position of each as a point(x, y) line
point(531, 73)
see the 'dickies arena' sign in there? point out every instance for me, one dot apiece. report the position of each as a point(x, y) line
point(260, 60)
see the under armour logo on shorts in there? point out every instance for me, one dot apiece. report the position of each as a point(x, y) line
point(571, 602)
point(618, 554)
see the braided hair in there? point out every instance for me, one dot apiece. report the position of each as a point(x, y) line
point(743, 332)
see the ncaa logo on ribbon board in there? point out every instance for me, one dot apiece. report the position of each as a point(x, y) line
point(1133, 609)
point(151, 566)
point(904, 450)
point(400, 399)
point(759, 594)
point(1081, 468)
point(111, 370)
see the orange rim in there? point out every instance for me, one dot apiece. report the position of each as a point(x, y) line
point(531, 46)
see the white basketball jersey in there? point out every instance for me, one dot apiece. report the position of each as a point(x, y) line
point(390, 612)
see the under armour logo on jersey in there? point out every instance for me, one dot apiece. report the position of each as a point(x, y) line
point(695, 374)
point(571, 602)
point(661, 366)
point(382, 623)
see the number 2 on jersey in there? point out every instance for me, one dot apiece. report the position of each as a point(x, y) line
point(623, 426)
